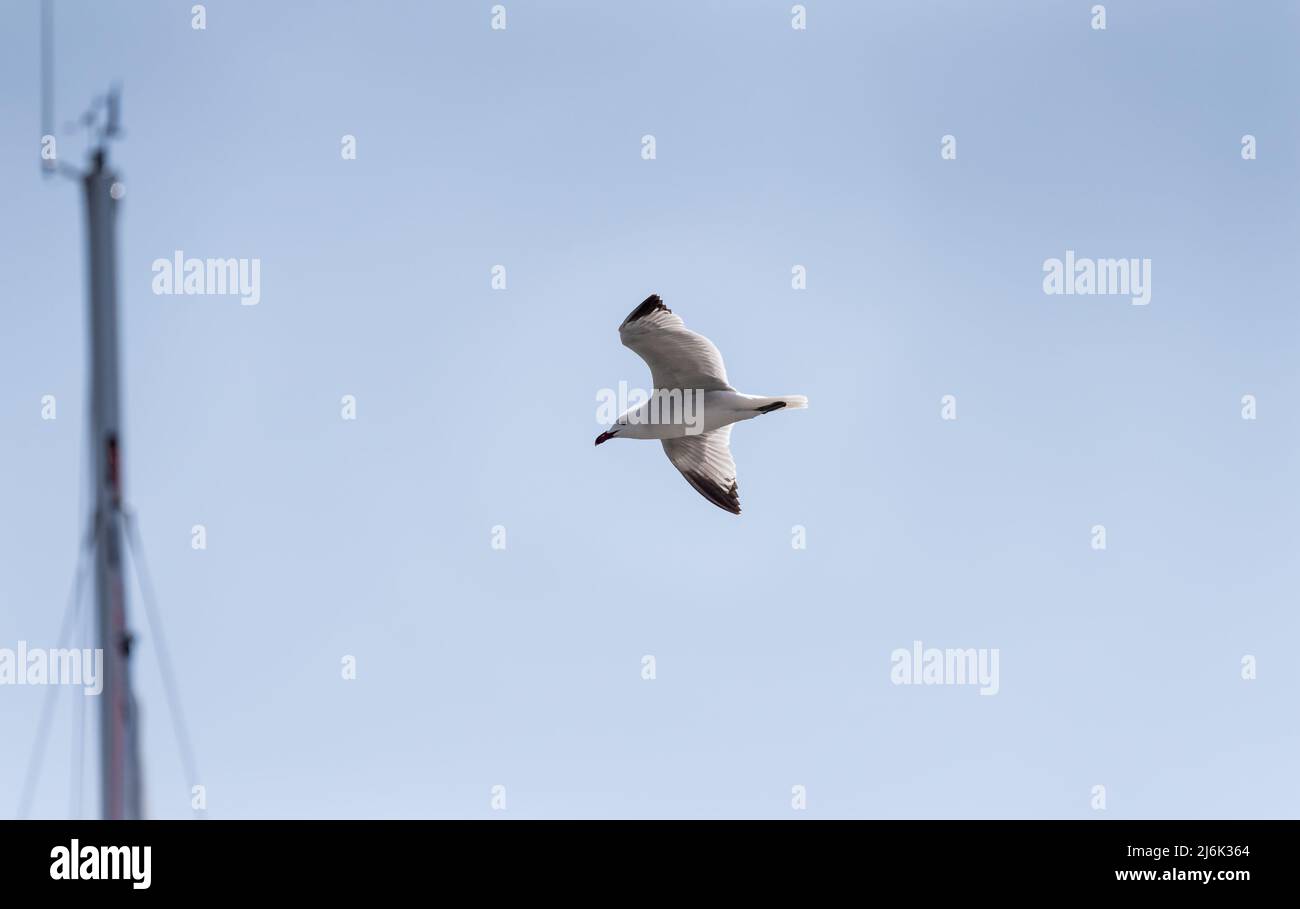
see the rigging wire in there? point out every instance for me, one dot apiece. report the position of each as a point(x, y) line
point(78, 757)
point(47, 708)
point(87, 633)
point(145, 580)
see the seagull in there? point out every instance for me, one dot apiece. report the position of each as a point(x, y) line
point(693, 406)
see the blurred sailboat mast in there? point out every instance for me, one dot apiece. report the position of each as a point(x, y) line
point(118, 725)
point(119, 755)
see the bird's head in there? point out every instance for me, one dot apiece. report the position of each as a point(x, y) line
point(606, 436)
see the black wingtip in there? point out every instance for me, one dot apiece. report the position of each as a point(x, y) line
point(728, 499)
point(652, 303)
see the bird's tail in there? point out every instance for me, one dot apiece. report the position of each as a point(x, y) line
point(767, 405)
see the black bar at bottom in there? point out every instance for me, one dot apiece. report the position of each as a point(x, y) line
point(208, 858)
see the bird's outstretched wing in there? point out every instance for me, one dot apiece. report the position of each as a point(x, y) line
point(705, 460)
point(677, 357)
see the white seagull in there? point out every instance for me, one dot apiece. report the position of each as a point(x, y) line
point(693, 405)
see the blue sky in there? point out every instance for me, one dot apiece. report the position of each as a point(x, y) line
point(475, 408)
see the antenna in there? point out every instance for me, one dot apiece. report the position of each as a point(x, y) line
point(47, 83)
point(113, 103)
point(121, 788)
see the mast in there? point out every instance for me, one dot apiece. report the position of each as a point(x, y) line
point(121, 789)
point(120, 786)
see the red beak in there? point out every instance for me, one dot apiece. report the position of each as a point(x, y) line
point(604, 437)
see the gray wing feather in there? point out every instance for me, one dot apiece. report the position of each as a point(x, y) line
point(706, 463)
point(677, 357)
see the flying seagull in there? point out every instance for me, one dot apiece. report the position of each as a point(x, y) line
point(693, 406)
